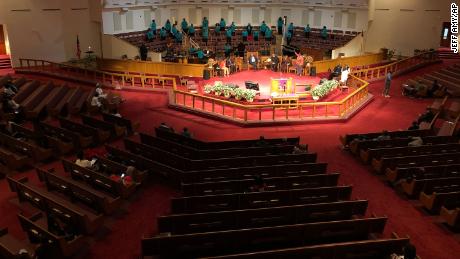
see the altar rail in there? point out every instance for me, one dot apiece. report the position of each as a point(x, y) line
point(398, 67)
point(273, 113)
point(85, 75)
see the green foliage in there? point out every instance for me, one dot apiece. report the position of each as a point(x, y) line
point(322, 90)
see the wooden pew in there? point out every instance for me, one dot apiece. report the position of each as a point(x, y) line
point(114, 130)
point(66, 136)
point(190, 165)
point(261, 217)
point(346, 139)
point(98, 180)
point(438, 105)
point(57, 98)
point(122, 122)
point(4, 79)
point(256, 239)
point(56, 109)
point(433, 202)
point(422, 160)
point(414, 187)
point(428, 172)
point(219, 145)
point(241, 201)
point(36, 227)
point(145, 164)
point(112, 167)
point(80, 218)
point(37, 96)
point(451, 216)
point(228, 174)
point(10, 246)
point(375, 249)
point(12, 160)
point(19, 82)
point(34, 110)
point(25, 91)
point(367, 149)
point(87, 131)
point(275, 183)
point(72, 102)
point(32, 150)
point(193, 153)
point(58, 145)
point(379, 154)
point(99, 201)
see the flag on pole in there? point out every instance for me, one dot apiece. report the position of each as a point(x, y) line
point(78, 48)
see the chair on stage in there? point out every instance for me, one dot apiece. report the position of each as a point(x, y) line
point(248, 55)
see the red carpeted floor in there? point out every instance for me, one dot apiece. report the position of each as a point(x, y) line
point(433, 241)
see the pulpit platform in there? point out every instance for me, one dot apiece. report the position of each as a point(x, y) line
point(281, 98)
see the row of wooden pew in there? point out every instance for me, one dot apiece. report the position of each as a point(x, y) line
point(448, 77)
point(300, 213)
point(429, 172)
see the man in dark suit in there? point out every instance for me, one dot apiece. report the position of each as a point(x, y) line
point(275, 62)
point(253, 61)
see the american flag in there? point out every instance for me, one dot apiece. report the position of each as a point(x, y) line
point(78, 48)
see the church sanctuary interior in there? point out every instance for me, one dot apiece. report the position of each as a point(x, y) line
point(186, 129)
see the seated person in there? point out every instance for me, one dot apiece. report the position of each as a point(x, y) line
point(81, 161)
point(384, 136)
point(224, 68)
point(261, 142)
point(414, 126)
point(163, 126)
point(300, 149)
point(258, 185)
point(230, 63)
point(435, 87)
point(95, 102)
point(415, 142)
point(100, 91)
point(186, 133)
point(253, 61)
point(427, 116)
point(274, 62)
point(409, 252)
point(245, 34)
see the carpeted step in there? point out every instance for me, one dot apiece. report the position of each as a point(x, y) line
point(5, 63)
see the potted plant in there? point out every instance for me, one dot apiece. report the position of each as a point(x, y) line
point(227, 92)
point(249, 95)
point(238, 93)
point(208, 89)
point(324, 89)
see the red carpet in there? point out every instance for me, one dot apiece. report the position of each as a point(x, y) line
point(432, 240)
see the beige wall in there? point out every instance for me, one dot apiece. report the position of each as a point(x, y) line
point(405, 25)
point(49, 34)
point(353, 48)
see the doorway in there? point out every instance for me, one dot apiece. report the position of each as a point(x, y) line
point(445, 35)
point(2, 41)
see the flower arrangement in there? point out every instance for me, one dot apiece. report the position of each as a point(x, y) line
point(230, 90)
point(324, 89)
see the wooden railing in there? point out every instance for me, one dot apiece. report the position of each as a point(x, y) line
point(325, 65)
point(117, 80)
point(376, 73)
point(268, 113)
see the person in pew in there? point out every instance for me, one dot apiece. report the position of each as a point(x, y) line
point(300, 149)
point(230, 63)
point(153, 27)
point(228, 34)
point(81, 161)
point(434, 87)
point(427, 116)
point(384, 136)
point(163, 33)
point(279, 25)
point(414, 126)
point(100, 91)
point(54, 226)
point(415, 142)
point(258, 185)
point(95, 101)
point(261, 142)
point(24, 254)
point(150, 36)
point(324, 33)
point(249, 29)
point(186, 133)
point(191, 30)
point(245, 34)
point(115, 112)
point(268, 34)
point(409, 252)
point(184, 25)
point(165, 127)
point(291, 28)
point(307, 31)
